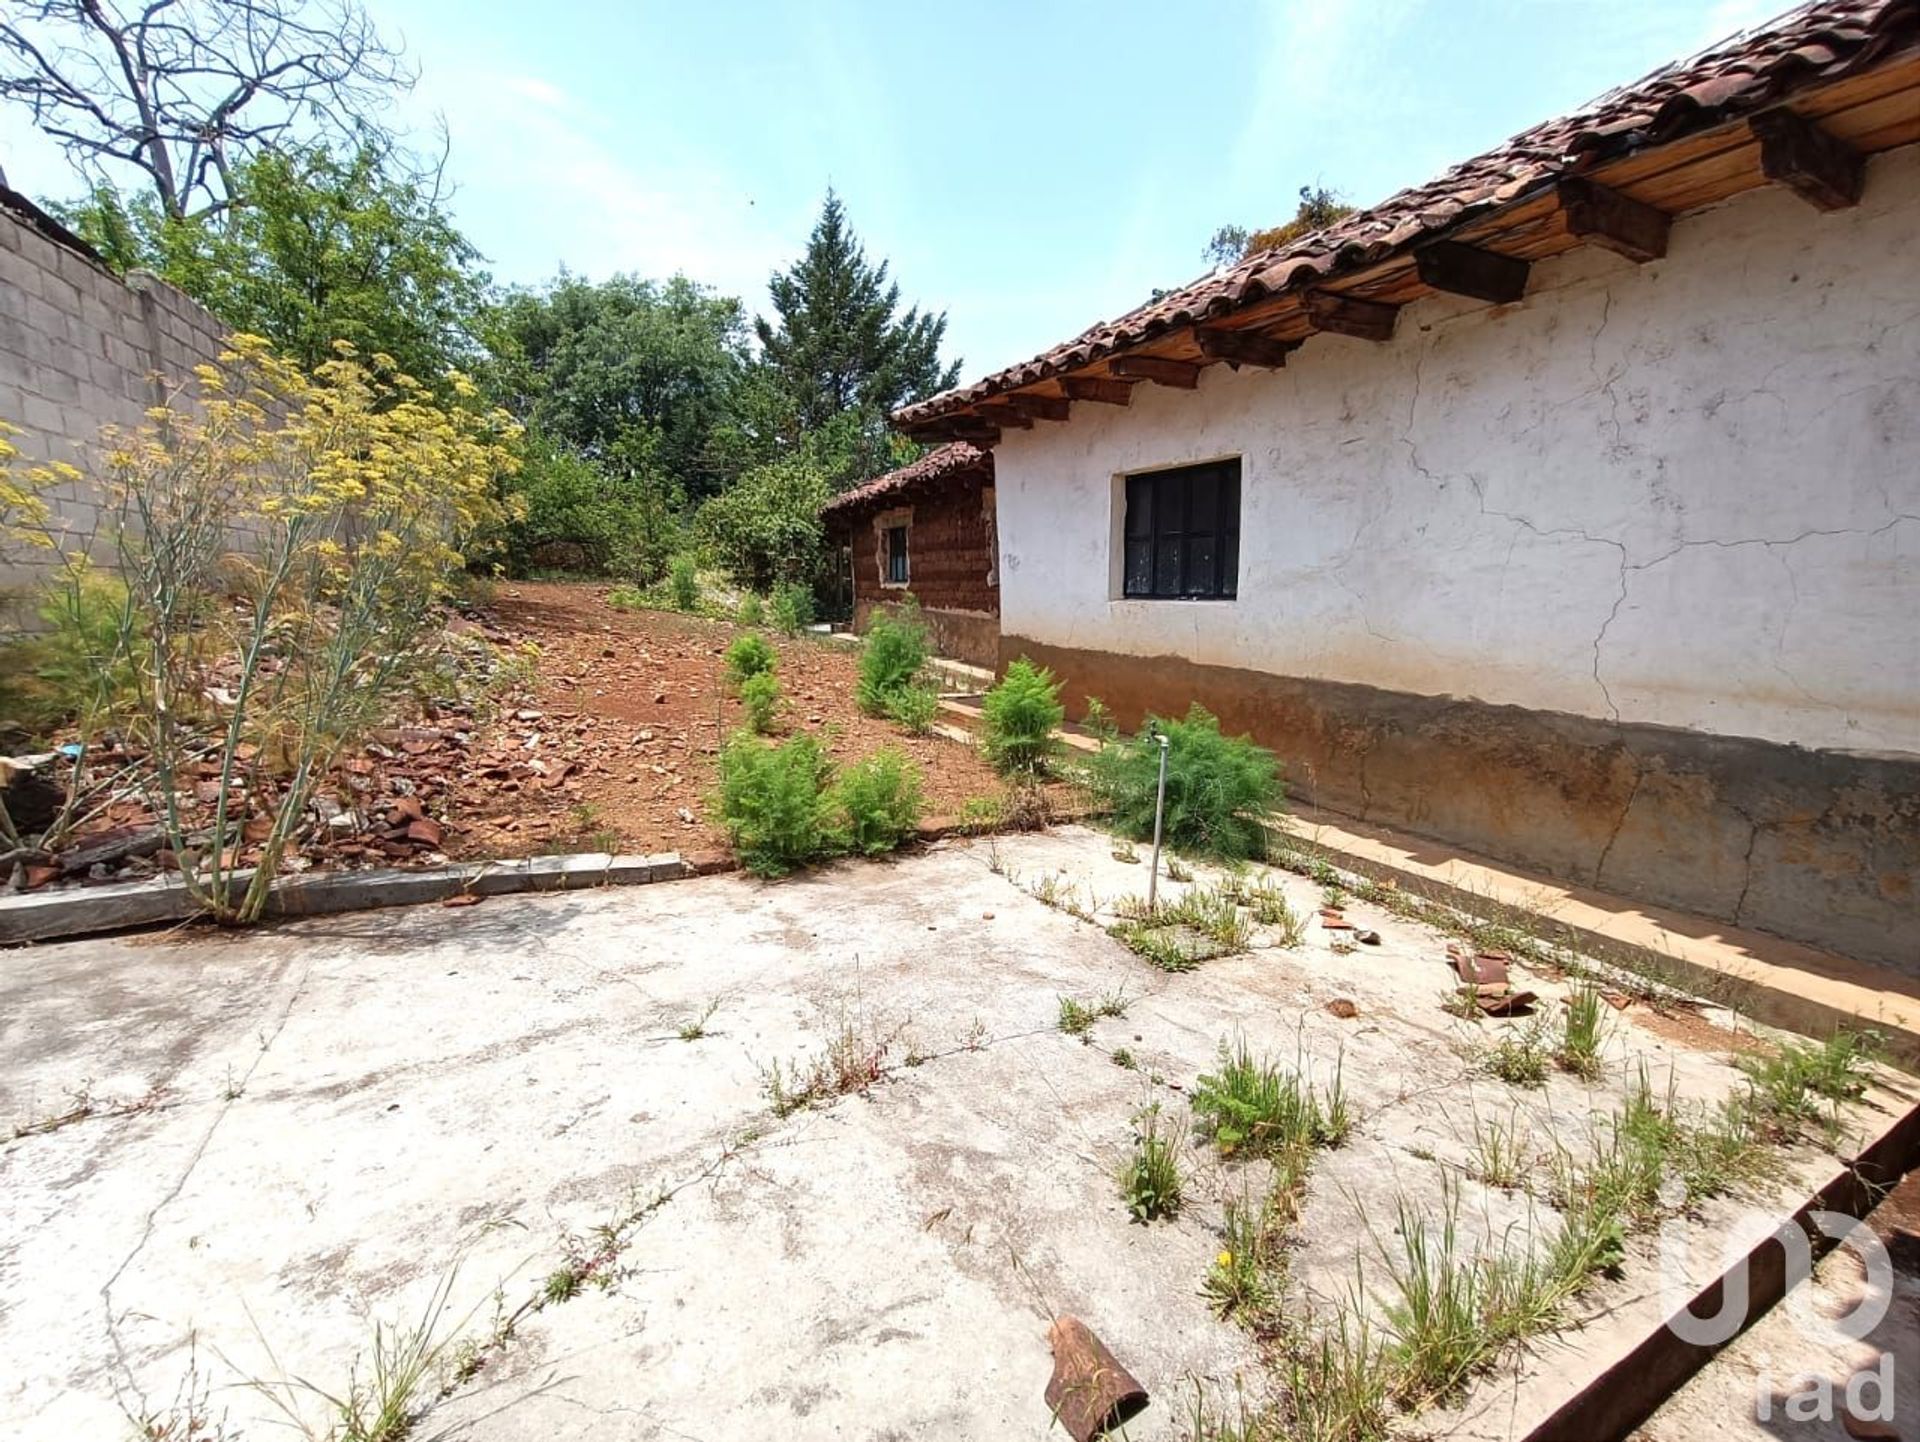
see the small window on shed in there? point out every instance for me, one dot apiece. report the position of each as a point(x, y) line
point(1182, 533)
point(896, 555)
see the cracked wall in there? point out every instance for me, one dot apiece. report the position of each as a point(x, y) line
point(1685, 493)
point(1619, 582)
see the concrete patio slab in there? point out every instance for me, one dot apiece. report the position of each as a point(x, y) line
point(256, 1147)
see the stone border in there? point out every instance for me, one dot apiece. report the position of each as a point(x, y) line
point(115, 906)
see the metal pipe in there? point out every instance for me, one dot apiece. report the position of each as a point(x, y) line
point(1159, 808)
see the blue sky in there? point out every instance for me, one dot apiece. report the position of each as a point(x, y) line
point(1030, 168)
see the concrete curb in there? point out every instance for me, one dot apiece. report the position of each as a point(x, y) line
point(117, 906)
point(1633, 1384)
point(1748, 987)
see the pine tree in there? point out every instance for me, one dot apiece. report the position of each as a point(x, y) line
point(838, 346)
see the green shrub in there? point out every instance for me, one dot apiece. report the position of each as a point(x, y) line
point(1019, 718)
point(1218, 786)
point(753, 611)
point(773, 802)
point(579, 516)
point(683, 583)
point(82, 667)
point(792, 608)
point(879, 798)
point(760, 695)
point(890, 662)
point(913, 708)
point(766, 526)
point(749, 655)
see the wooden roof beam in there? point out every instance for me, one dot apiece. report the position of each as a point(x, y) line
point(1467, 270)
point(1819, 167)
point(1004, 416)
point(1181, 375)
point(1242, 347)
point(1040, 408)
point(1618, 222)
point(1103, 389)
point(1350, 315)
point(978, 429)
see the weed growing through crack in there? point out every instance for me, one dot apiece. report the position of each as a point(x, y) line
point(404, 1375)
point(1123, 1057)
point(1056, 891)
point(1077, 1017)
point(1178, 870)
point(1802, 1083)
point(697, 1028)
point(1519, 1058)
point(854, 1060)
point(1150, 1176)
point(1269, 907)
point(1248, 1106)
point(1582, 1032)
point(1502, 1156)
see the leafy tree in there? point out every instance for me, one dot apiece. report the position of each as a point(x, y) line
point(838, 345)
point(1318, 208)
point(766, 528)
point(187, 91)
point(324, 248)
point(628, 371)
point(574, 514)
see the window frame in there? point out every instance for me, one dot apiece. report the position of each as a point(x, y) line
point(1145, 537)
point(884, 525)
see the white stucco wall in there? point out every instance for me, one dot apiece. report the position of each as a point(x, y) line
point(1685, 493)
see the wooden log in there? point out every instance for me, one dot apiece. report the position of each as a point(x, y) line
point(1618, 222)
point(1350, 315)
point(1820, 168)
point(1103, 389)
point(1040, 408)
point(1181, 375)
point(1242, 347)
point(1090, 1393)
point(1467, 270)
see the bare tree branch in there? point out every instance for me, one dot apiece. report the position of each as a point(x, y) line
point(184, 90)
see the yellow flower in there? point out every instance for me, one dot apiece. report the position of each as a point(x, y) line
point(1223, 1261)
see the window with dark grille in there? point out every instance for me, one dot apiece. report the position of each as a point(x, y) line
point(1183, 533)
point(896, 555)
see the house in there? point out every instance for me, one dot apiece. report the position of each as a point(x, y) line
point(926, 531)
point(1565, 508)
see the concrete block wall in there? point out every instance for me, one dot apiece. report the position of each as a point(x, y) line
point(80, 349)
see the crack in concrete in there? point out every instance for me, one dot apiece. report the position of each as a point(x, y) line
point(1599, 868)
point(232, 1095)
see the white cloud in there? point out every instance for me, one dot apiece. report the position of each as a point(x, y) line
point(541, 181)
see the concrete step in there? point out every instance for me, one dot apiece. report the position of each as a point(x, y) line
point(957, 678)
point(1783, 983)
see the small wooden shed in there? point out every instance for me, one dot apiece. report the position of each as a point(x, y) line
point(926, 531)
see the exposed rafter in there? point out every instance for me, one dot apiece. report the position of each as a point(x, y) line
point(1181, 375)
point(1467, 270)
point(1004, 416)
point(1821, 169)
point(1242, 347)
point(1103, 389)
point(1350, 315)
point(1618, 222)
point(1040, 408)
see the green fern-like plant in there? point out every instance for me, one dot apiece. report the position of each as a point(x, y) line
point(1218, 787)
point(1019, 718)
